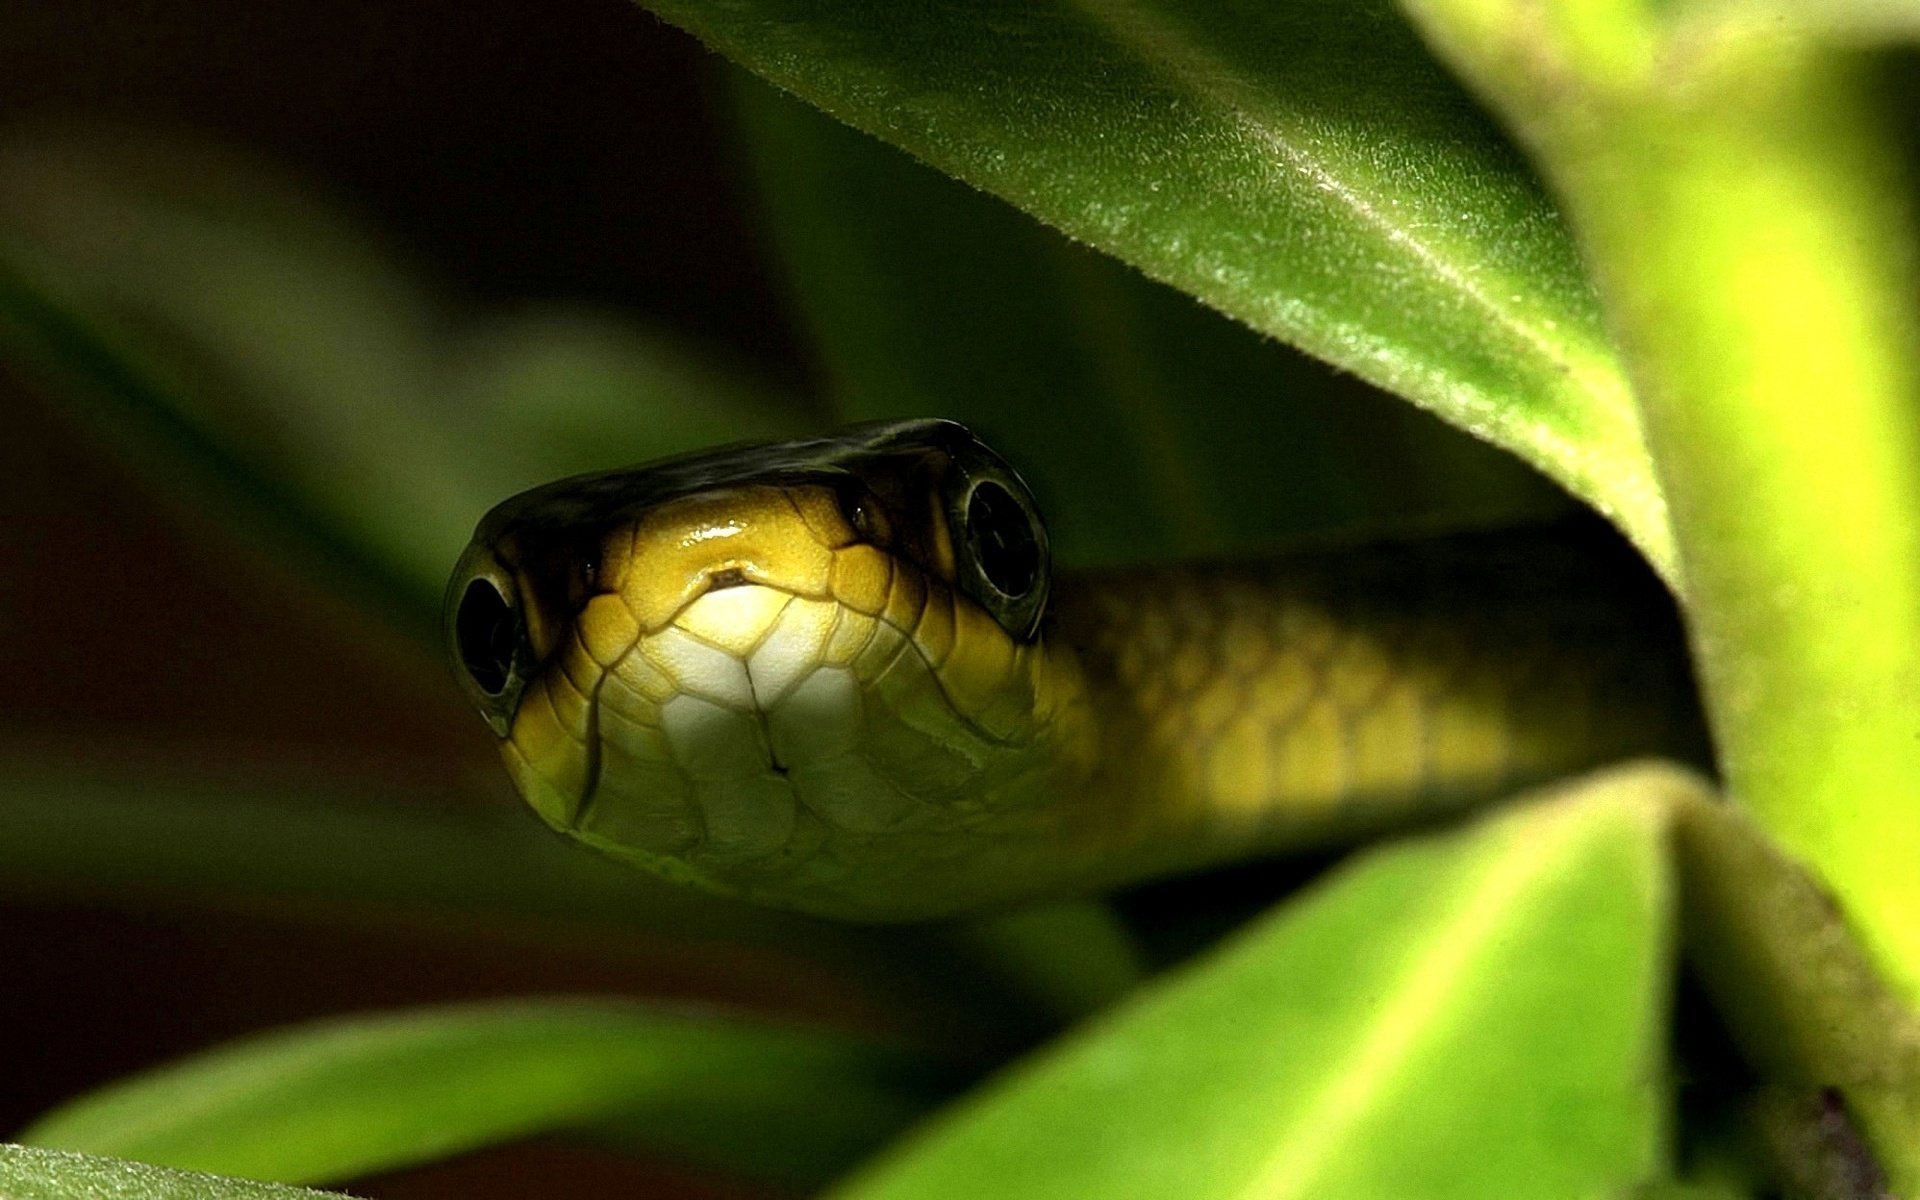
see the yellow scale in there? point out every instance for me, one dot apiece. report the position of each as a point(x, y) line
point(839, 676)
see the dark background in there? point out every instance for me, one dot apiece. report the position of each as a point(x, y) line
point(570, 149)
point(574, 150)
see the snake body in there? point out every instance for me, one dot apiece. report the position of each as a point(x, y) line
point(839, 676)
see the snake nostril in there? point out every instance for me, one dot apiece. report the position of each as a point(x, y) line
point(487, 634)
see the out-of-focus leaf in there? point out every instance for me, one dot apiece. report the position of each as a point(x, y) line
point(85, 837)
point(360, 1096)
point(1844, 21)
point(1469, 1015)
point(1794, 985)
point(1306, 168)
point(229, 314)
point(1074, 956)
point(1149, 424)
point(386, 857)
point(1814, 1149)
point(28, 1173)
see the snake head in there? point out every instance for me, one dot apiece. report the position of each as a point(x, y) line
point(781, 671)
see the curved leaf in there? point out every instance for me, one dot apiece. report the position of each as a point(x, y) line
point(1306, 168)
point(1148, 424)
point(1476, 1014)
point(354, 1097)
point(1794, 985)
point(33, 1174)
point(96, 838)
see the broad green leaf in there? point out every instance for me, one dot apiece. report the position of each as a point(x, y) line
point(482, 870)
point(220, 310)
point(1467, 1015)
point(1305, 168)
point(27, 1173)
point(89, 838)
point(359, 1096)
point(1150, 424)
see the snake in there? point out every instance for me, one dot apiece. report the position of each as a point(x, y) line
point(841, 675)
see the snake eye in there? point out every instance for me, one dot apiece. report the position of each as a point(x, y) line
point(1002, 541)
point(487, 635)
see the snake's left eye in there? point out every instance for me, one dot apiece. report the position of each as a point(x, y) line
point(1002, 540)
point(1002, 550)
point(487, 636)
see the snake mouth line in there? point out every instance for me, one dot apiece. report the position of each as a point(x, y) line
point(756, 697)
point(755, 700)
point(723, 579)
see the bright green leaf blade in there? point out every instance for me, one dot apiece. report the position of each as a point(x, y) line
point(1149, 424)
point(27, 1173)
point(1305, 168)
point(354, 1097)
point(1469, 1015)
point(87, 839)
point(232, 322)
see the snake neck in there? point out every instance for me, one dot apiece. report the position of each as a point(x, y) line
point(1207, 714)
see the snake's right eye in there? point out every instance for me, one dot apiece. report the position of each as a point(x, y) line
point(487, 634)
point(1001, 548)
point(1001, 537)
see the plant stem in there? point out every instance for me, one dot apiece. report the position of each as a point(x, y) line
point(1746, 224)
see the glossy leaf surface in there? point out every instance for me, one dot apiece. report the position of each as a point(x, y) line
point(27, 1173)
point(1305, 168)
point(1475, 1014)
point(1150, 425)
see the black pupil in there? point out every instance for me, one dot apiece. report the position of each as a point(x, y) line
point(487, 634)
point(1002, 540)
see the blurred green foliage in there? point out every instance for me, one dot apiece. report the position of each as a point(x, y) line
point(358, 1097)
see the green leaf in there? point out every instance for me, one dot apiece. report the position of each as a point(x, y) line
point(1150, 425)
point(1794, 985)
point(346, 1098)
point(1468, 1015)
point(1305, 168)
point(232, 323)
point(32, 1174)
point(486, 871)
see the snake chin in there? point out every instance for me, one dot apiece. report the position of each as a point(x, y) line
point(763, 739)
